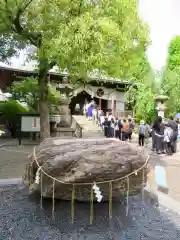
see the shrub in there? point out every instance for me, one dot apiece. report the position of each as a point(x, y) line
point(10, 109)
point(9, 112)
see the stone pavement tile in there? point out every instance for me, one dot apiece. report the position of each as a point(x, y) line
point(13, 158)
point(172, 166)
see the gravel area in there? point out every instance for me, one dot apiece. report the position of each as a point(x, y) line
point(22, 219)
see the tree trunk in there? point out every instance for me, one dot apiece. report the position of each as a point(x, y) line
point(43, 100)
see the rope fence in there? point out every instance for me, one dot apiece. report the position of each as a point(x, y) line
point(73, 185)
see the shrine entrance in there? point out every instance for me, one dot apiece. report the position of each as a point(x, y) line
point(81, 98)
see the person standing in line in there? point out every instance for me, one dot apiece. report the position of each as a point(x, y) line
point(112, 127)
point(142, 131)
point(158, 131)
point(168, 137)
point(131, 128)
point(100, 113)
point(125, 130)
point(94, 115)
point(89, 111)
point(120, 124)
point(154, 123)
point(117, 132)
point(147, 134)
point(102, 120)
point(174, 127)
point(106, 126)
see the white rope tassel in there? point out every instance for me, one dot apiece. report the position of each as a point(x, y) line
point(37, 178)
point(98, 194)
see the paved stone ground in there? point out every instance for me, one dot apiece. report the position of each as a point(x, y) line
point(13, 159)
point(172, 165)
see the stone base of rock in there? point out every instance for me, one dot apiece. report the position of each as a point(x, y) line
point(118, 168)
point(63, 132)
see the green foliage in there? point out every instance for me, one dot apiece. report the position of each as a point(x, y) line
point(99, 36)
point(171, 86)
point(143, 69)
point(171, 77)
point(27, 91)
point(174, 54)
point(145, 104)
point(79, 35)
point(10, 108)
point(142, 97)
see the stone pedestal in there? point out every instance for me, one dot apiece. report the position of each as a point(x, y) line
point(63, 132)
point(64, 111)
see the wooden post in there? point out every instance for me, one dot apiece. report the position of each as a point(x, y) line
point(112, 106)
point(100, 103)
point(115, 108)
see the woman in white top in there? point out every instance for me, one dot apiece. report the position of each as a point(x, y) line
point(102, 120)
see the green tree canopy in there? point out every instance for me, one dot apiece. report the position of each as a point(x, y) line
point(174, 54)
point(141, 95)
point(171, 77)
point(77, 35)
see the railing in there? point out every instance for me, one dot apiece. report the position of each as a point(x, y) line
point(121, 114)
point(124, 114)
point(77, 127)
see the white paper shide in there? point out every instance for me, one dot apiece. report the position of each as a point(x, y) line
point(97, 192)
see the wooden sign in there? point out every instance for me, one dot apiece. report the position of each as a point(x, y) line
point(30, 124)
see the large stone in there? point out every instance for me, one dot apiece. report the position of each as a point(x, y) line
point(88, 161)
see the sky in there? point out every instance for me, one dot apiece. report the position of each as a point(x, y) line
point(163, 19)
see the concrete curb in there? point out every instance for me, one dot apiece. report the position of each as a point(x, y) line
point(164, 200)
point(11, 181)
point(168, 202)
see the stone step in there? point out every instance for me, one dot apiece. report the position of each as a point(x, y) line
point(93, 134)
point(89, 128)
point(86, 124)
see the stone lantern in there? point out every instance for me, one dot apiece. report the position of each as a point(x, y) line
point(64, 110)
point(160, 102)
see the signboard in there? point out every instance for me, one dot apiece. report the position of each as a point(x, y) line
point(30, 124)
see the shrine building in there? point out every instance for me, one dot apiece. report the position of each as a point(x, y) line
point(108, 93)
